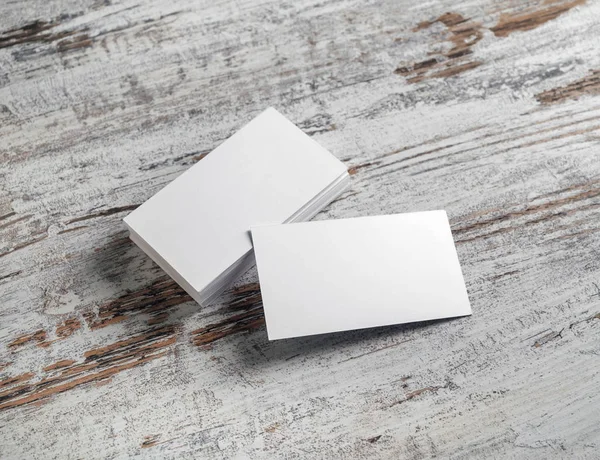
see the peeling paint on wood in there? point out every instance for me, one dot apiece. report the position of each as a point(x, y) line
point(68, 328)
point(238, 323)
point(38, 337)
point(14, 380)
point(158, 296)
point(510, 22)
point(98, 364)
point(59, 365)
point(463, 35)
point(245, 298)
point(589, 85)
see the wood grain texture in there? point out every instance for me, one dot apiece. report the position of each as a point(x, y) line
point(487, 109)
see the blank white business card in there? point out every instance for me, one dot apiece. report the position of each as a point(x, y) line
point(197, 228)
point(339, 275)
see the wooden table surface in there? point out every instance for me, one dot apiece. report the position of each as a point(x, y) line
point(488, 109)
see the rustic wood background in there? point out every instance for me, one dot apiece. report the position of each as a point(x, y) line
point(489, 109)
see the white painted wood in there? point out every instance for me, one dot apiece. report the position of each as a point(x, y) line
point(103, 103)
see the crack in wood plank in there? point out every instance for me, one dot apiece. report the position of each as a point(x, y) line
point(356, 168)
point(10, 275)
point(6, 216)
point(39, 32)
point(415, 393)
point(548, 338)
point(104, 213)
point(24, 245)
point(68, 230)
point(12, 222)
point(374, 439)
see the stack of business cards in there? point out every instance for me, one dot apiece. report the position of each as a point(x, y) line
point(197, 229)
point(339, 275)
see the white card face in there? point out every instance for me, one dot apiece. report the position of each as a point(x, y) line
point(200, 223)
point(339, 275)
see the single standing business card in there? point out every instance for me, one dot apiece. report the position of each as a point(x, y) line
point(339, 275)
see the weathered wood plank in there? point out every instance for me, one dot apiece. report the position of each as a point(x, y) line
point(487, 109)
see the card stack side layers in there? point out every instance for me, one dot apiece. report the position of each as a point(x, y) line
point(197, 228)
